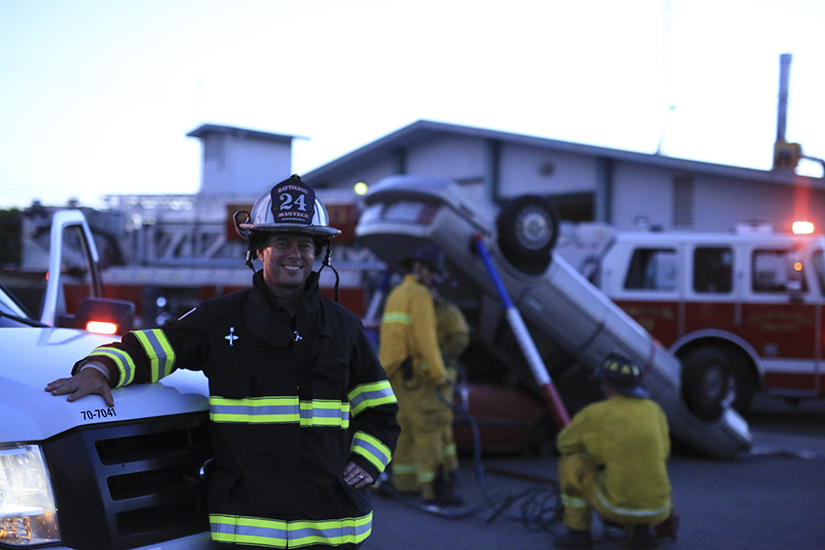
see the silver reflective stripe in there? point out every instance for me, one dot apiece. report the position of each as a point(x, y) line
point(280, 410)
point(370, 395)
point(372, 449)
point(273, 533)
point(158, 350)
point(123, 361)
point(318, 413)
point(265, 410)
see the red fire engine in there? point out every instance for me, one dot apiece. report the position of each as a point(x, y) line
point(742, 310)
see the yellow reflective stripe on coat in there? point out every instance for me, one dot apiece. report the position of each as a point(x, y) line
point(124, 363)
point(370, 395)
point(449, 450)
point(397, 317)
point(404, 469)
point(280, 410)
point(372, 449)
point(273, 533)
point(158, 350)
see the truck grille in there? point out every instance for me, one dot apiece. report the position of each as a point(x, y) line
point(124, 485)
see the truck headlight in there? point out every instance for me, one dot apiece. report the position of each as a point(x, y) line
point(27, 509)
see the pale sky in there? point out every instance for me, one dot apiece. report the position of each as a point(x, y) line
point(97, 96)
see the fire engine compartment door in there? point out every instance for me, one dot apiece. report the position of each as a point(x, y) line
point(782, 320)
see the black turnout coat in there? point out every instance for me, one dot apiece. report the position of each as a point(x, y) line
point(293, 400)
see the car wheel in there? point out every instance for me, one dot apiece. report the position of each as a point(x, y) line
point(707, 386)
point(528, 227)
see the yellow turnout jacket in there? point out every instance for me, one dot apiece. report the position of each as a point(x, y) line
point(628, 437)
point(408, 330)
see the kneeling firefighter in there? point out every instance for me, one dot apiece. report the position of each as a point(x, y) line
point(410, 354)
point(613, 461)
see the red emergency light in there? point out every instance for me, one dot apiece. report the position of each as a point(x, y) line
point(101, 327)
point(802, 228)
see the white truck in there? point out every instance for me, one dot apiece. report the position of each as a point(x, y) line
point(573, 325)
point(83, 475)
point(743, 310)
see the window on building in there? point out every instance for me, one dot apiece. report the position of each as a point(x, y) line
point(683, 202)
point(652, 269)
point(713, 269)
point(574, 207)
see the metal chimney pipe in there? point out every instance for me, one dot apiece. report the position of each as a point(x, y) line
point(784, 74)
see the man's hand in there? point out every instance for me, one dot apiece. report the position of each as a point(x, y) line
point(356, 476)
point(85, 382)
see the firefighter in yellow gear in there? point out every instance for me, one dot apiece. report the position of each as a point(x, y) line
point(613, 461)
point(453, 334)
point(410, 354)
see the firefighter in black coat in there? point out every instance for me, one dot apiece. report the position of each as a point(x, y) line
point(303, 417)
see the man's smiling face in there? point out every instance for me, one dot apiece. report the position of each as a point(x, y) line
point(287, 260)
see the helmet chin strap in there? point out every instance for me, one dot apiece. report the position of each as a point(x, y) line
point(328, 262)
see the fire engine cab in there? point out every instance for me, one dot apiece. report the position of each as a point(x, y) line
point(742, 310)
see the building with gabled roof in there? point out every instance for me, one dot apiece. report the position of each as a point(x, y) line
point(587, 183)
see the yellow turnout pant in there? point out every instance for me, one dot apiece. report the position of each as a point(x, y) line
point(579, 480)
point(422, 445)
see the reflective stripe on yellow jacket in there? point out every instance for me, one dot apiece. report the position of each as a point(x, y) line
point(408, 330)
point(629, 438)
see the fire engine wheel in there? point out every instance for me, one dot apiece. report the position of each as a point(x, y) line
point(528, 227)
point(707, 385)
point(744, 381)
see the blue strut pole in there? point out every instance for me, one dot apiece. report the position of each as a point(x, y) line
point(528, 347)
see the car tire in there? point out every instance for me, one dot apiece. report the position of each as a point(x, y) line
point(528, 227)
point(706, 382)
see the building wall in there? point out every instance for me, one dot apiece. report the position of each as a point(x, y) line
point(532, 170)
point(247, 166)
point(645, 196)
point(725, 203)
point(641, 197)
point(630, 195)
point(459, 158)
point(370, 175)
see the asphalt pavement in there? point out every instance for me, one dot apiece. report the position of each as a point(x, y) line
point(772, 498)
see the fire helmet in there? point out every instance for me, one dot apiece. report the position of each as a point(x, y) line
point(289, 206)
point(428, 254)
point(623, 375)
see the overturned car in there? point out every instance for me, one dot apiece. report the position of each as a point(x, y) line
point(572, 324)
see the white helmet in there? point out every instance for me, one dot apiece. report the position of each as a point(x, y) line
point(289, 206)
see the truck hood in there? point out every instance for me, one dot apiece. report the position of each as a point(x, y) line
point(33, 357)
